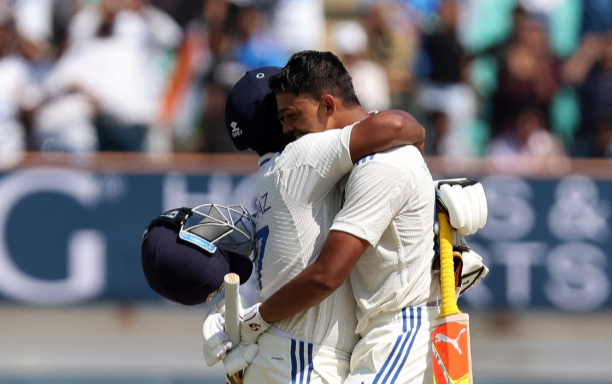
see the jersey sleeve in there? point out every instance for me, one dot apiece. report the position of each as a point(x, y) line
point(374, 194)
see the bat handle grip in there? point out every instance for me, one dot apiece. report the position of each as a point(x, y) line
point(447, 269)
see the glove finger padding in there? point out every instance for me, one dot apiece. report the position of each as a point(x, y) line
point(212, 359)
point(452, 200)
point(216, 340)
point(469, 267)
point(482, 200)
point(474, 270)
point(240, 357)
point(464, 203)
point(472, 197)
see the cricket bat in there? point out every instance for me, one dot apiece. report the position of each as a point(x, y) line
point(232, 318)
point(450, 336)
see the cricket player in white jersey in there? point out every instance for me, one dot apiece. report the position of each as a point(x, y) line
point(388, 219)
point(386, 232)
point(297, 198)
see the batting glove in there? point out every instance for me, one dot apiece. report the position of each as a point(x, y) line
point(474, 270)
point(216, 340)
point(252, 325)
point(469, 267)
point(240, 357)
point(464, 203)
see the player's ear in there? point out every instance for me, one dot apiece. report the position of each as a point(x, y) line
point(329, 102)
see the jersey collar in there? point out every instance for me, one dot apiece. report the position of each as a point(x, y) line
point(265, 158)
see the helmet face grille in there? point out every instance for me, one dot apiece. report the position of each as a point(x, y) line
point(230, 226)
point(213, 226)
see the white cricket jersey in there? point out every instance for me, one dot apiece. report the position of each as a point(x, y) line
point(298, 196)
point(390, 202)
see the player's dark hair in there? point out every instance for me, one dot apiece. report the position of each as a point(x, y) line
point(313, 74)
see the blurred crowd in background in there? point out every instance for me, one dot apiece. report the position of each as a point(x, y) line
point(500, 78)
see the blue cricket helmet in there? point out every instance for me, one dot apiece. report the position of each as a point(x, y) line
point(251, 110)
point(186, 252)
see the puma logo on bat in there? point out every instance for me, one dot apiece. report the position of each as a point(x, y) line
point(441, 338)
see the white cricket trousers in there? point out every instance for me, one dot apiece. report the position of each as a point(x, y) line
point(396, 348)
point(289, 361)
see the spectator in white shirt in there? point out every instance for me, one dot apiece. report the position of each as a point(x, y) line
point(370, 80)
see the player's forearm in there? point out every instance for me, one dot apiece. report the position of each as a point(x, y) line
point(306, 290)
point(320, 279)
point(396, 128)
point(384, 131)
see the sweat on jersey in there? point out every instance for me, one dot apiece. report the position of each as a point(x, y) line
point(298, 196)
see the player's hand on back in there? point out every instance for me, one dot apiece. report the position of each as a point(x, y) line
point(464, 203)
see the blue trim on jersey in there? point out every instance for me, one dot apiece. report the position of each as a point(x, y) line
point(293, 362)
point(362, 161)
point(262, 235)
point(268, 159)
point(399, 369)
point(263, 162)
point(297, 351)
point(310, 365)
point(401, 343)
point(301, 362)
point(401, 350)
point(399, 338)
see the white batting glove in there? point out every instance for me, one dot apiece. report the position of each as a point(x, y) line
point(252, 325)
point(474, 270)
point(472, 267)
point(240, 357)
point(465, 203)
point(216, 340)
point(466, 262)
